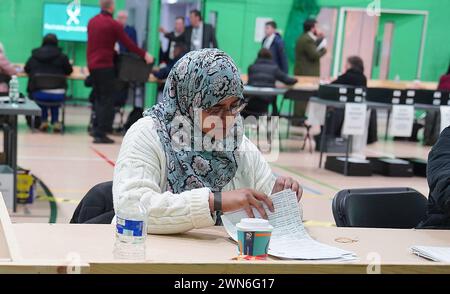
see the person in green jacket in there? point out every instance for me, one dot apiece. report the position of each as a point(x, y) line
point(311, 46)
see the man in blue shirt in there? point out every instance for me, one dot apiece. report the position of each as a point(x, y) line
point(122, 18)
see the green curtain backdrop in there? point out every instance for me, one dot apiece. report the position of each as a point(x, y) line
point(301, 10)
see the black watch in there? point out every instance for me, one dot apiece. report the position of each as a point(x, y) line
point(217, 201)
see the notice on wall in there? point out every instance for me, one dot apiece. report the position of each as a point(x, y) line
point(402, 121)
point(259, 28)
point(445, 117)
point(355, 119)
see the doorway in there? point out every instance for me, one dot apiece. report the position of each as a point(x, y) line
point(390, 44)
point(398, 43)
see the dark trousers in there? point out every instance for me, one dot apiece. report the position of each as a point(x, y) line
point(104, 87)
point(54, 111)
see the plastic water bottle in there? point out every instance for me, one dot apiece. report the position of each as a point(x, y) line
point(131, 229)
point(14, 89)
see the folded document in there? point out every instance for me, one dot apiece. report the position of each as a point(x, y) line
point(439, 254)
point(289, 240)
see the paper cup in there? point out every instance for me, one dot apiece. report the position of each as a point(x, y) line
point(254, 237)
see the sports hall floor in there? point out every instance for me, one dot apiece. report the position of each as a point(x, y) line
point(70, 165)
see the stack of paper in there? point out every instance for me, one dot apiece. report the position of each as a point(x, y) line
point(439, 254)
point(289, 237)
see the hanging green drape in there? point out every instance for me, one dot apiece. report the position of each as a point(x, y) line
point(301, 11)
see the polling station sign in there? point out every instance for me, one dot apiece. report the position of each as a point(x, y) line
point(68, 21)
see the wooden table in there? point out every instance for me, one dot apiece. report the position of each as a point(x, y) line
point(210, 251)
point(61, 248)
point(80, 73)
point(312, 83)
point(12, 112)
point(304, 82)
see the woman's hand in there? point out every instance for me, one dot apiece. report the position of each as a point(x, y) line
point(284, 183)
point(246, 199)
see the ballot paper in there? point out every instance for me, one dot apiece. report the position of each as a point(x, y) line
point(289, 240)
point(354, 119)
point(402, 121)
point(439, 254)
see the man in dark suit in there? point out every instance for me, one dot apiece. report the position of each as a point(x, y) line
point(175, 37)
point(275, 44)
point(199, 35)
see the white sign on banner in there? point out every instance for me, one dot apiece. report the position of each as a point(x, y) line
point(445, 117)
point(260, 26)
point(402, 121)
point(355, 119)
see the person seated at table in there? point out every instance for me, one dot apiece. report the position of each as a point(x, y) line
point(6, 70)
point(162, 73)
point(354, 73)
point(190, 148)
point(265, 73)
point(178, 52)
point(353, 76)
point(444, 81)
point(48, 59)
point(438, 176)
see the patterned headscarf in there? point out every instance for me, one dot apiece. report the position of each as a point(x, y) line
point(200, 80)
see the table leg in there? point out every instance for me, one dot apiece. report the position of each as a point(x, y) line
point(13, 145)
point(347, 154)
point(323, 137)
point(10, 149)
point(386, 136)
point(289, 120)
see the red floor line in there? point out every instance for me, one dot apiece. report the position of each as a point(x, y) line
point(104, 157)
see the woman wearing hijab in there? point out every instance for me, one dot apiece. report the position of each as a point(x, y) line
point(188, 159)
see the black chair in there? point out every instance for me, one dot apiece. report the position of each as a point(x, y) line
point(132, 68)
point(4, 78)
point(401, 208)
point(97, 206)
point(50, 82)
point(258, 106)
point(298, 96)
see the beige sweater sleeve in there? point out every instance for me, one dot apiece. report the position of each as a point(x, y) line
point(139, 170)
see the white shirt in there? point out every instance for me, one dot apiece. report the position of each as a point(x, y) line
point(322, 44)
point(197, 37)
point(141, 168)
point(314, 37)
point(268, 42)
point(172, 46)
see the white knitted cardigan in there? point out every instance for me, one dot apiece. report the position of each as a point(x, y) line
point(141, 169)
